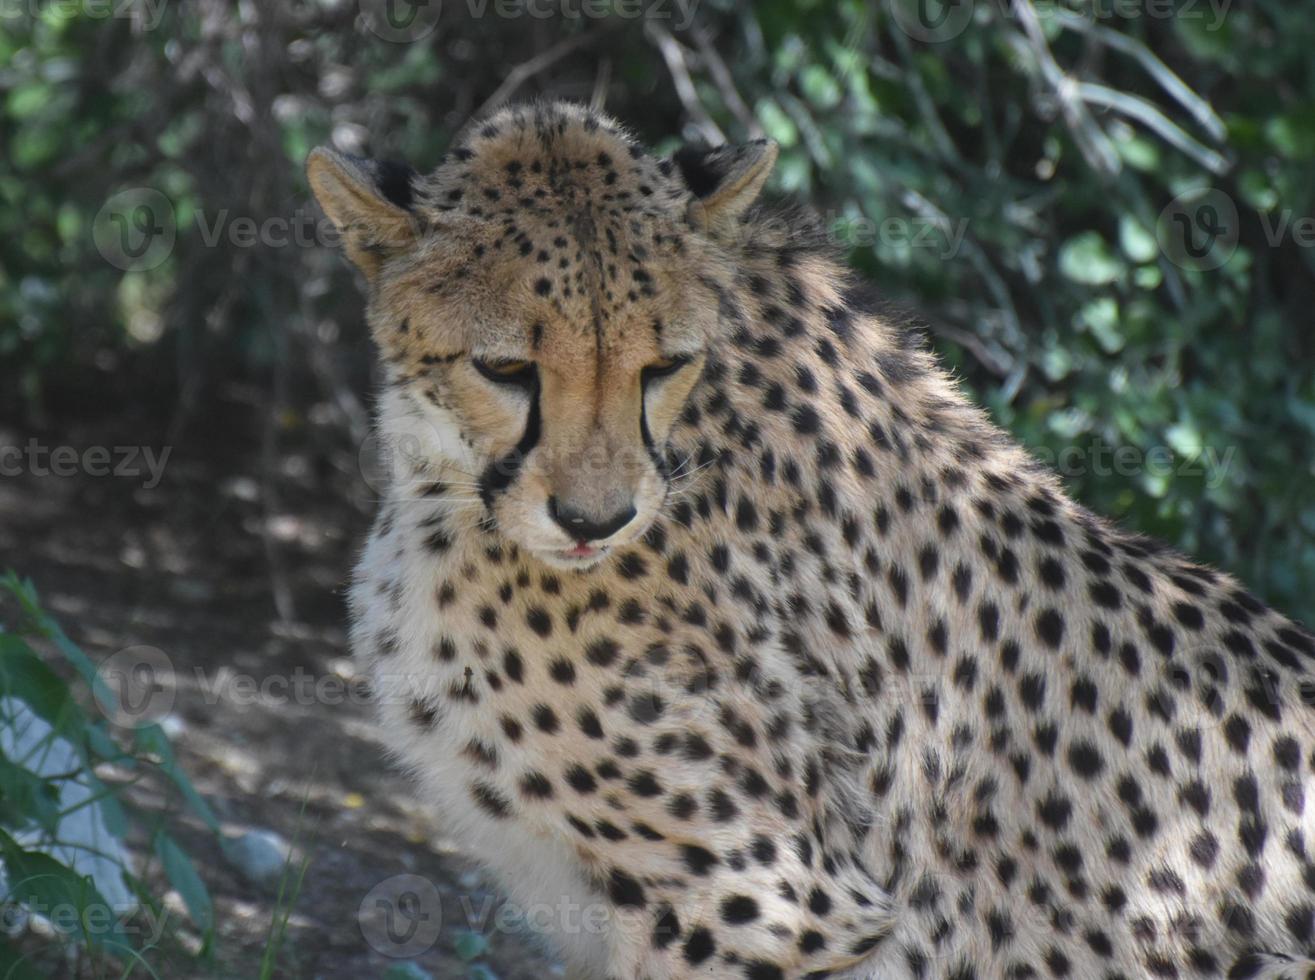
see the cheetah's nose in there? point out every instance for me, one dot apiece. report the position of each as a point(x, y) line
point(581, 527)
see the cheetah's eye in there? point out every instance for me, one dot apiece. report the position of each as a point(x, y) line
point(664, 366)
point(518, 373)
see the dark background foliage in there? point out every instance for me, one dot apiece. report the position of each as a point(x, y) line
point(1052, 135)
point(1054, 140)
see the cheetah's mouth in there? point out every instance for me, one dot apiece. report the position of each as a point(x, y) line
point(577, 558)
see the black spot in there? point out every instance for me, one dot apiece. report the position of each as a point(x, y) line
point(1085, 759)
point(625, 890)
point(602, 653)
point(545, 718)
point(736, 910)
point(490, 800)
point(538, 620)
point(699, 860)
point(1189, 615)
point(536, 786)
point(1050, 627)
point(699, 946)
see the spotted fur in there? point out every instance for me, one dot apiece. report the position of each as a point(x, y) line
point(857, 691)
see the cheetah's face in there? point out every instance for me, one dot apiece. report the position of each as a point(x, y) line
point(531, 300)
point(553, 417)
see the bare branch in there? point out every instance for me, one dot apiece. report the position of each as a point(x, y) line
point(721, 77)
point(1200, 109)
point(526, 70)
point(1148, 115)
point(689, 98)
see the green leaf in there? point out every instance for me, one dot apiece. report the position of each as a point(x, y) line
point(28, 99)
point(1185, 439)
point(819, 87)
point(1101, 317)
point(151, 740)
point(26, 595)
point(1303, 412)
point(1086, 258)
point(470, 945)
point(71, 901)
point(24, 676)
point(1293, 134)
point(1057, 363)
point(1138, 243)
point(776, 123)
point(14, 965)
point(180, 871)
point(25, 795)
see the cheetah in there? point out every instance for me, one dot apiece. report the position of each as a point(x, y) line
point(701, 599)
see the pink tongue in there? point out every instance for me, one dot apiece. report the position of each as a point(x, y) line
point(581, 550)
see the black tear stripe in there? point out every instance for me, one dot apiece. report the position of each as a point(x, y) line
point(662, 461)
point(500, 474)
point(659, 459)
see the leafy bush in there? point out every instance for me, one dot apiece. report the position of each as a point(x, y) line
point(43, 858)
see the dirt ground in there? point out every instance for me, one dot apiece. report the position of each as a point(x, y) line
point(191, 566)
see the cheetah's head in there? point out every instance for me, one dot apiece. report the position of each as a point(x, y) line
point(543, 303)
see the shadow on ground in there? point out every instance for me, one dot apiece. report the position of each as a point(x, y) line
point(191, 566)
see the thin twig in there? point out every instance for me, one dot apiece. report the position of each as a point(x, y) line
point(994, 362)
point(1199, 108)
point(1092, 141)
point(721, 77)
point(526, 70)
point(912, 77)
point(685, 91)
point(977, 256)
point(1149, 116)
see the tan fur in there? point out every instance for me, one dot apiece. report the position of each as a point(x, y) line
point(858, 689)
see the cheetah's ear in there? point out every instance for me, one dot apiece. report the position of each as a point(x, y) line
point(725, 181)
point(369, 203)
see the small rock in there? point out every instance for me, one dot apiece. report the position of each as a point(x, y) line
point(259, 855)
